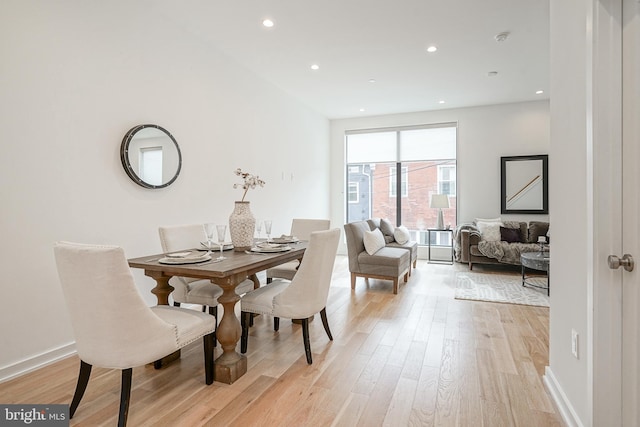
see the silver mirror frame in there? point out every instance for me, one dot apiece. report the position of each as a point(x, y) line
point(128, 167)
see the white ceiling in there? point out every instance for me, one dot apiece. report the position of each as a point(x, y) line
point(354, 41)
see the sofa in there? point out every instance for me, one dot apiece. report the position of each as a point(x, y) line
point(500, 242)
point(389, 260)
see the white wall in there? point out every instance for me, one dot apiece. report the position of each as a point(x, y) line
point(75, 76)
point(484, 135)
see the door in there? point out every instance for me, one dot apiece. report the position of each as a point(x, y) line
point(631, 211)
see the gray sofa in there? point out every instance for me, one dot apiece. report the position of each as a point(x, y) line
point(471, 248)
point(389, 263)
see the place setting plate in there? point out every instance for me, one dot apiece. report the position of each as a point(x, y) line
point(191, 257)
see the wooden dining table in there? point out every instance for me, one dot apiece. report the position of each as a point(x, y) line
point(227, 274)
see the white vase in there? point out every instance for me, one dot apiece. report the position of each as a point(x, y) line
point(242, 226)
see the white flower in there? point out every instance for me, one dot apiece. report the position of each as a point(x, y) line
point(250, 181)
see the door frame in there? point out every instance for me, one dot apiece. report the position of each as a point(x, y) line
point(631, 210)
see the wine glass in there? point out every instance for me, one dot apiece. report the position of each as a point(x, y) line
point(222, 231)
point(209, 229)
point(259, 227)
point(267, 229)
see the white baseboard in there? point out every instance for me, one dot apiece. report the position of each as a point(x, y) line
point(33, 363)
point(560, 398)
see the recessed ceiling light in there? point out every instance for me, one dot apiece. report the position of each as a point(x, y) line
point(539, 92)
point(372, 80)
point(362, 109)
point(431, 49)
point(440, 102)
point(315, 67)
point(268, 23)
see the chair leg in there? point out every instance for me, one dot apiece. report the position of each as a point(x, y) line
point(209, 342)
point(214, 312)
point(395, 286)
point(276, 324)
point(245, 318)
point(353, 281)
point(305, 338)
point(325, 323)
point(125, 397)
point(83, 380)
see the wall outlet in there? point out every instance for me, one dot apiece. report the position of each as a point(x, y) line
point(574, 343)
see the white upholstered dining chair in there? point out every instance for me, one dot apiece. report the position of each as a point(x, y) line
point(189, 290)
point(301, 228)
point(301, 297)
point(113, 326)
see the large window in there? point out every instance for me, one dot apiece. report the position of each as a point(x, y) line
point(413, 162)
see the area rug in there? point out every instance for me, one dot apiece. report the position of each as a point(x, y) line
point(501, 288)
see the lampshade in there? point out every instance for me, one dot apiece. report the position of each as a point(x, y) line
point(439, 201)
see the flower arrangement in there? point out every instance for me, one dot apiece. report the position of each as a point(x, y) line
point(250, 181)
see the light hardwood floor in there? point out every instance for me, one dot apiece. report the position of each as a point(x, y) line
point(419, 358)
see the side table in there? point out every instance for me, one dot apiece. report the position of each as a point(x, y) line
point(536, 261)
point(439, 230)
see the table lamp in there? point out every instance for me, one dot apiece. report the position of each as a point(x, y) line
point(440, 201)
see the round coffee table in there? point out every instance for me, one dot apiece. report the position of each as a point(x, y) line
point(536, 261)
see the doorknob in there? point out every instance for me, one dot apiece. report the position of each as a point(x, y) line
point(626, 262)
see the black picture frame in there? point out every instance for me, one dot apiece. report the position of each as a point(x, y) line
point(524, 184)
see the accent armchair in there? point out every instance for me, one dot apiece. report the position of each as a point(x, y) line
point(388, 263)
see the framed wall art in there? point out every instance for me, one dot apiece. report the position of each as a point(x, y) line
point(525, 184)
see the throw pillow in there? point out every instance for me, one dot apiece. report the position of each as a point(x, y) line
point(490, 231)
point(537, 229)
point(510, 235)
point(401, 234)
point(387, 229)
point(373, 241)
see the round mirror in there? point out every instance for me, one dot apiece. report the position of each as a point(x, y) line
point(150, 156)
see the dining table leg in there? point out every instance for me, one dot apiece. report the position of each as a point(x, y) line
point(163, 288)
point(230, 365)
